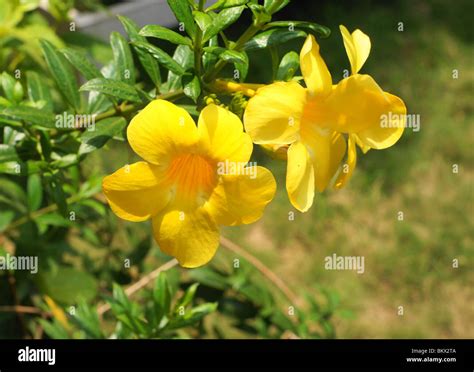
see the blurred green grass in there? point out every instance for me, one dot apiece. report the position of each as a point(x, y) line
point(407, 263)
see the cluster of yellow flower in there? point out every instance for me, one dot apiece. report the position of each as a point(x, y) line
point(178, 185)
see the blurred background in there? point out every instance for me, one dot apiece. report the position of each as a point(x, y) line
point(422, 51)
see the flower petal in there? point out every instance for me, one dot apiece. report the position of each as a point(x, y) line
point(192, 237)
point(327, 149)
point(357, 47)
point(315, 72)
point(300, 177)
point(390, 127)
point(358, 104)
point(221, 132)
point(241, 199)
point(273, 115)
point(161, 129)
point(134, 192)
point(347, 171)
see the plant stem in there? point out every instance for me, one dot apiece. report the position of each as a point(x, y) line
point(260, 266)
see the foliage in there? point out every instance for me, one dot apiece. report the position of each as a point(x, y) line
point(50, 203)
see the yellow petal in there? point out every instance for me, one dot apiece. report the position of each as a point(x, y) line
point(300, 177)
point(273, 115)
point(358, 104)
point(241, 199)
point(349, 167)
point(161, 129)
point(134, 192)
point(362, 145)
point(327, 148)
point(389, 128)
point(221, 133)
point(192, 237)
point(315, 72)
point(357, 47)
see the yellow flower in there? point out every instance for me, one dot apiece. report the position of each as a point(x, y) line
point(184, 184)
point(314, 120)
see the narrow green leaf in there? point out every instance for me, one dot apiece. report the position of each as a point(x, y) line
point(8, 153)
point(192, 87)
point(242, 67)
point(162, 295)
point(223, 20)
point(288, 66)
point(123, 58)
point(227, 54)
point(183, 55)
point(8, 86)
point(38, 90)
point(164, 33)
point(104, 131)
point(273, 6)
point(112, 88)
point(34, 192)
point(62, 74)
point(148, 62)
point(183, 13)
point(272, 37)
point(223, 4)
point(162, 57)
point(6, 217)
point(30, 115)
point(311, 27)
point(79, 60)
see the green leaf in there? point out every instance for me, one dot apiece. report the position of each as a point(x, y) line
point(6, 217)
point(112, 88)
point(227, 55)
point(38, 90)
point(148, 62)
point(123, 58)
point(223, 20)
point(184, 15)
point(162, 57)
point(87, 319)
point(30, 115)
point(272, 37)
point(62, 74)
point(164, 33)
point(162, 296)
point(203, 20)
point(84, 66)
point(104, 131)
point(54, 329)
point(66, 284)
point(183, 55)
point(187, 298)
point(19, 168)
point(288, 66)
point(51, 219)
point(8, 153)
point(223, 4)
point(58, 195)
point(193, 316)
point(273, 6)
point(243, 67)
point(8, 85)
point(34, 192)
point(192, 87)
point(311, 27)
